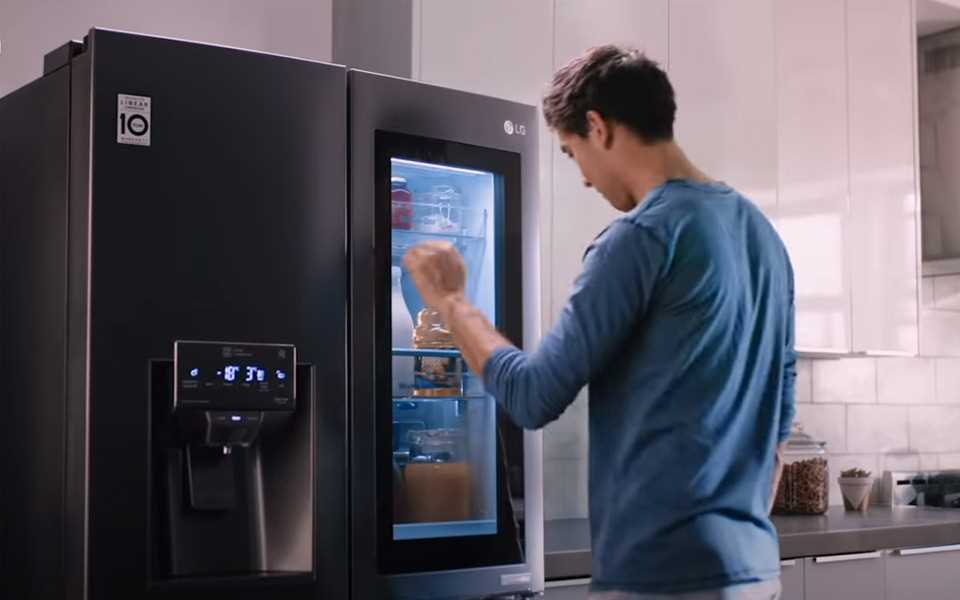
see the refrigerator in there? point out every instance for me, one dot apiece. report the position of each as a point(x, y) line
point(217, 390)
point(174, 304)
point(446, 492)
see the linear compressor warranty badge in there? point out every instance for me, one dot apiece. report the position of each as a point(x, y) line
point(133, 120)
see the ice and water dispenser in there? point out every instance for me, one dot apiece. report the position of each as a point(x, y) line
point(232, 473)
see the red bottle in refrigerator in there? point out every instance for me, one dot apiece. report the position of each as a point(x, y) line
point(401, 203)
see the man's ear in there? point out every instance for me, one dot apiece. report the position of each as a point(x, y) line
point(599, 130)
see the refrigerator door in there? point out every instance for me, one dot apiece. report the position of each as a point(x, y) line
point(447, 491)
point(215, 210)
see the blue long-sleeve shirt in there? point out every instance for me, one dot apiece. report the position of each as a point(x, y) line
point(682, 325)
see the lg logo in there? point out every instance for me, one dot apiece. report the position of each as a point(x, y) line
point(511, 128)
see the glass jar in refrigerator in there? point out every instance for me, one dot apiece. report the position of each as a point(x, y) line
point(435, 375)
point(805, 483)
point(401, 203)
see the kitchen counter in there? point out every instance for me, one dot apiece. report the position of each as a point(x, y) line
point(567, 541)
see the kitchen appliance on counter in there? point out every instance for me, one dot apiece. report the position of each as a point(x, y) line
point(931, 488)
point(155, 191)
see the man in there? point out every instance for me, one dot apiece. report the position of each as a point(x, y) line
point(681, 323)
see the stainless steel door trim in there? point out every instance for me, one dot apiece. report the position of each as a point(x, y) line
point(788, 563)
point(847, 557)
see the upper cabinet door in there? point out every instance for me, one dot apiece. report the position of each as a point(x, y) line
point(883, 185)
point(581, 213)
point(722, 67)
point(811, 214)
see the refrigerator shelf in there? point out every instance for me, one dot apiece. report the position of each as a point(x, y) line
point(412, 401)
point(433, 352)
point(441, 218)
point(441, 529)
point(404, 239)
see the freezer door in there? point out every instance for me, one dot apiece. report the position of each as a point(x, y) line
point(215, 210)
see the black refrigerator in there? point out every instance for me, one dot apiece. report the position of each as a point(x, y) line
point(219, 391)
point(446, 492)
point(174, 305)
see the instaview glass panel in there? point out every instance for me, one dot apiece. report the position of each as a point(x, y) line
point(444, 425)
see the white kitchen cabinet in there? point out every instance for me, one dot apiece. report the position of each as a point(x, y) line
point(791, 579)
point(580, 213)
point(883, 183)
point(845, 576)
point(722, 66)
point(927, 573)
point(811, 214)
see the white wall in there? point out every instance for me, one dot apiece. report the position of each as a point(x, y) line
point(31, 28)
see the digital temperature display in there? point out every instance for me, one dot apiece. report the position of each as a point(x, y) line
point(234, 376)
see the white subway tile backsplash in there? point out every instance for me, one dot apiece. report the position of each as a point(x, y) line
point(946, 292)
point(926, 292)
point(906, 381)
point(804, 385)
point(852, 380)
point(899, 462)
point(824, 422)
point(935, 428)
point(565, 489)
point(899, 414)
point(939, 333)
point(948, 380)
point(950, 460)
point(566, 438)
point(877, 429)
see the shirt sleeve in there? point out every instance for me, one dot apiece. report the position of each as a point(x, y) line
point(609, 298)
point(788, 394)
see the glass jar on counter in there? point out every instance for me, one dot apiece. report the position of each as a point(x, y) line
point(805, 483)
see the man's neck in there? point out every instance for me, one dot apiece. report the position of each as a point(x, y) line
point(658, 163)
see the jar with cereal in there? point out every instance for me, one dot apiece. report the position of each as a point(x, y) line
point(805, 483)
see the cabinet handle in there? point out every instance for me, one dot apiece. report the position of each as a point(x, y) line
point(933, 550)
point(846, 557)
point(788, 563)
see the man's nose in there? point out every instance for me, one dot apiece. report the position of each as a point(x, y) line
point(587, 184)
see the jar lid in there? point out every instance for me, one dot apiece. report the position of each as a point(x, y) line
point(801, 441)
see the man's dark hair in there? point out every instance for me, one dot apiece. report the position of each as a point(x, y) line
point(621, 84)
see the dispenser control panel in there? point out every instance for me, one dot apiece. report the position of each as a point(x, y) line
point(234, 376)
